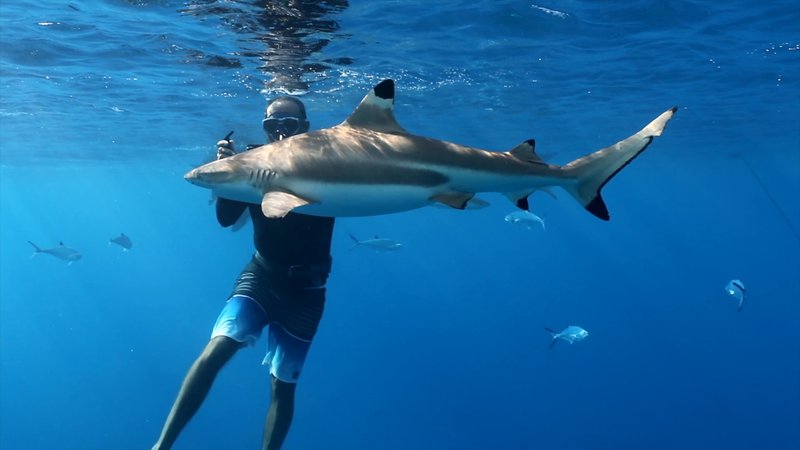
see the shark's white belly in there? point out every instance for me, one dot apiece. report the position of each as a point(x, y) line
point(343, 200)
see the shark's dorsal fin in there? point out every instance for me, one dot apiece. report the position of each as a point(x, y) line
point(276, 204)
point(376, 110)
point(525, 151)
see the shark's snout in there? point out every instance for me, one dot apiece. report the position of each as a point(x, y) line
point(191, 176)
point(211, 174)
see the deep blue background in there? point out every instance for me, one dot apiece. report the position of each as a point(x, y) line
point(441, 345)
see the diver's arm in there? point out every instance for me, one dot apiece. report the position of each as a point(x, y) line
point(228, 211)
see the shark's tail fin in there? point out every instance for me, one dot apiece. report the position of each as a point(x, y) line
point(36, 249)
point(593, 171)
point(555, 337)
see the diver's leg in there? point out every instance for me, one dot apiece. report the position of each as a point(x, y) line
point(195, 387)
point(279, 417)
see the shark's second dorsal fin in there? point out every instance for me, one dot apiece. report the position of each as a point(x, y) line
point(376, 110)
point(525, 151)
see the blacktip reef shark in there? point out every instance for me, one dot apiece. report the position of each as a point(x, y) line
point(61, 252)
point(369, 165)
point(123, 241)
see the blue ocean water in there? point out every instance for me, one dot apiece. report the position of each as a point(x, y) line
point(105, 104)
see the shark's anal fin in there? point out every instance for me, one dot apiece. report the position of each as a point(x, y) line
point(276, 204)
point(454, 199)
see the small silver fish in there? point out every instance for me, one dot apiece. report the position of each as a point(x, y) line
point(570, 334)
point(736, 289)
point(61, 252)
point(376, 243)
point(526, 219)
point(123, 241)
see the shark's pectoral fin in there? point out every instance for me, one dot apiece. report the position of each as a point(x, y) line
point(276, 204)
point(454, 199)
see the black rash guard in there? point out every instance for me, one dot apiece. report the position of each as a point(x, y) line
point(295, 301)
point(296, 239)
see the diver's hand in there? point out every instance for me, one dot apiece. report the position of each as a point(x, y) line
point(225, 149)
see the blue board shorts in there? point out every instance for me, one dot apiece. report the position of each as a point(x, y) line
point(243, 320)
point(290, 308)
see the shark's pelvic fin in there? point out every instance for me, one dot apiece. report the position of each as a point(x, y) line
point(376, 110)
point(454, 199)
point(276, 204)
point(593, 171)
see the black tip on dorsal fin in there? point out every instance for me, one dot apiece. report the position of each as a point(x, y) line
point(375, 110)
point(385, 89)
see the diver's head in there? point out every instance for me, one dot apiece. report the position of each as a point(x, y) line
point(284, 117)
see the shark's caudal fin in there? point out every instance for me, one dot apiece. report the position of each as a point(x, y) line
point(594, 170)
point(36, 249)
point(376, 110)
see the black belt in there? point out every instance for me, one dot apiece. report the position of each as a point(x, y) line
point(294, 270)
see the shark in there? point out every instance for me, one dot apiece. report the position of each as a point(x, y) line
point(62, 252)
point(123, 241)
point(370, 165)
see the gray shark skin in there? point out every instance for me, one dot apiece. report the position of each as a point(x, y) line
point(61, 252)
point(123, 241)
point(369, 165)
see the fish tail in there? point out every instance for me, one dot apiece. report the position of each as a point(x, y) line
point(355, 241)
point(555, 338)
point(591, 172)
point(36, 249)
